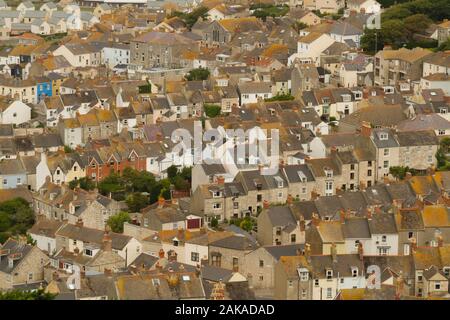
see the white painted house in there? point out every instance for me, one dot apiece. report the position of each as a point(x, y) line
point(14, 112)
point(311, 46)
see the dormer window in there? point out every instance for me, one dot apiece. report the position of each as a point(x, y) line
point(279, 181)
point(329, 274)
point(346, 98)
point(329, 173)
point(216, 194)
point(303, 274)
point(383, 136)
point(354, 272)
point(302, 176)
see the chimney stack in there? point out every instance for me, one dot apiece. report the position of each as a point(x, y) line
point(333, 252)
point(315, 219)
point(366, 129)
point(308, 252)
point(289, 199)
point(302, 224)
point(107, 241)
point(79, 222)
point(221, 180)
point(161, 202)
point(369, 213)
point(342, 216)
point(408, 176)
point(440, 241)
point(360, 251)
point(413, 245)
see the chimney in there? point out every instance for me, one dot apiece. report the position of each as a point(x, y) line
point(360, 251)
point(315, 219)
point(366, 129)
point(161, 202)
point(266, 204)
point(107, 272)
point(342, 216)
point(333, 252)
point(302, 224)
point(308, 252)
point(79, 223)
point(55, 276)
point(399, 286)
point(289, 199)
point(314, 195)
point(440, 241)
point(107, 241)
point(413, 245)
point(221, 180)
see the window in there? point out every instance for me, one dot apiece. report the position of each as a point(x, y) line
point(352, 175)
point(316, 282)
point(216, 206)
point(419, 278)
point(446, 271)
point(290, 283)
point(352, 167)
point(293, 238)
point(386, 164)
point(354, 272)
point(430, 159)
point(235, 205)
point(383, 238)
point(437, 286)
point(261, 263)
point(235, 263)
point(386, 152)
point(74, 242)
point(329, 274)
point(303, 293)
point(30, 276)
point(304, 276)
point(194, 256)
point(329, 293)
point(280, 194)
point(369, 173)
point(88, 252)
point(329, 185)
point(369, 163)
point(261, 278)
point(342, 280)
point(410, 235)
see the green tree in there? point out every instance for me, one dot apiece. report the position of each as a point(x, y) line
point(280, 97)
point(172, 172)
point(212, 110)
point(26, 295)
point(372, 40)
point(417, 23)
point(298, 25)
point(191, 18)
point(136, 201)
point(16, 217)
point(116, 221)
point(247, 224)
point(197, 74)
point(214, 223)
point(444, 46)
point(68, 149)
